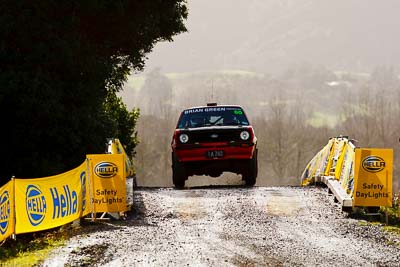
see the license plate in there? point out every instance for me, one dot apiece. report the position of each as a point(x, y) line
point(215, 154)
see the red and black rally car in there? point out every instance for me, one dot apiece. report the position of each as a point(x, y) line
point(212, 139)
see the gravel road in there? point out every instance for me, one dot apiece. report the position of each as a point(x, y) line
point(232, 226)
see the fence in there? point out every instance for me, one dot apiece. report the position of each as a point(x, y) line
point(97, 185)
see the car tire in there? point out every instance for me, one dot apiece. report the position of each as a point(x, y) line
point(178, 173)
point(251, 171)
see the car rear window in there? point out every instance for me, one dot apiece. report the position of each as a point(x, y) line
point(212, 116)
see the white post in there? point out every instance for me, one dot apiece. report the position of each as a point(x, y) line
point(88, 169)
point(14, 235)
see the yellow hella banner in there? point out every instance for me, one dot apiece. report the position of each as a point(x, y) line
point(44, 203)
point(107, 174)
point(7, 221)
point(373, 174)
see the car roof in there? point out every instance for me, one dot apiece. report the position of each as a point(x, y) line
point(216, 106)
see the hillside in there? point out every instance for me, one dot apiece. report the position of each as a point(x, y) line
point(313, 86)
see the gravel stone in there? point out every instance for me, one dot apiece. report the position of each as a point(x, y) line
point(233, 226)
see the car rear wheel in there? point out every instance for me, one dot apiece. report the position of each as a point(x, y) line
point(251, 172)
point(178, 172)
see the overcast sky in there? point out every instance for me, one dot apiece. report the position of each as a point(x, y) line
point(272, 35)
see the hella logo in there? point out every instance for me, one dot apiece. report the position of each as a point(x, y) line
point(5, 212)
point(35, 205)
point(106, 169)
point(373, 164)
point(214, 135)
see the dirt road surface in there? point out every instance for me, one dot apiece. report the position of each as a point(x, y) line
point(232, 226)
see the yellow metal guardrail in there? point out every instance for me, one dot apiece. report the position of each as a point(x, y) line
point(114, 146)
point(356, 176)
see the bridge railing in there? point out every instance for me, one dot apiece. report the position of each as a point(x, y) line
point(356, 176)
point(333, 165)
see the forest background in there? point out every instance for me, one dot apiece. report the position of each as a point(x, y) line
point(294, 115)
point(304, 70)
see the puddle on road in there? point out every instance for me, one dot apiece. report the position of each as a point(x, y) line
point(195, 194)
point(283, 205)
point(186, 193)
point(190, 211)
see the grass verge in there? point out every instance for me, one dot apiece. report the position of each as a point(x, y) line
point(32, 249)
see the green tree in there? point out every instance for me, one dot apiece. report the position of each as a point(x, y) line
point(124, 122)
point(61, 64)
